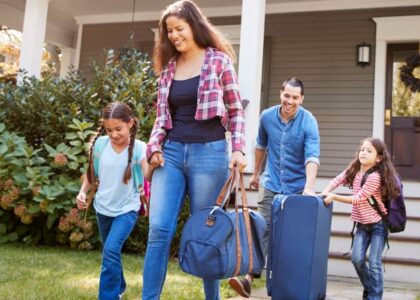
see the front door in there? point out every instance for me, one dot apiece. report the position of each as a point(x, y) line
point(402, 113)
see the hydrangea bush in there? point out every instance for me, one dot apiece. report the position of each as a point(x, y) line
point(45, 128)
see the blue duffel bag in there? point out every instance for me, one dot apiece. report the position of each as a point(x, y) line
point(218, 244)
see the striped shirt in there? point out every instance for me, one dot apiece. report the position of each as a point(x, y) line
point(362, 211)
point(217, 96)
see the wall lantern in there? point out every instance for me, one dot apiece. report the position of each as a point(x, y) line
point(363, 54)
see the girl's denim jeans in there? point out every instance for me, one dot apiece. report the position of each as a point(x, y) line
point(114, 231)
point(199, 169)
point(370, 272)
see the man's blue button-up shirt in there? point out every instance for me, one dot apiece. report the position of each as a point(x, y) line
point(290, 146)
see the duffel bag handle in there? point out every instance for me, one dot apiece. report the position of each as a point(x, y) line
point(235, 179)
point(239, 182)
point(227, 189)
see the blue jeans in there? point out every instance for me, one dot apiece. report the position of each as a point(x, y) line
point(199, 169)
point(264, 208)
point(371, 272)
point(114, 231)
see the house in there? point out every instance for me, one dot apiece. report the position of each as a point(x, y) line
point(315, 40)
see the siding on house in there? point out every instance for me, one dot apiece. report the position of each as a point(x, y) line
point(97, 37)
point(317, 47)
point(320, 49)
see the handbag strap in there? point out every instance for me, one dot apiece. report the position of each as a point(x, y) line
point(239, 183)
point(247, 223)
point(226, 190)
point(238, 237)
point(235, 182)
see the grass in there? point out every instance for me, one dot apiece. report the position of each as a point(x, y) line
point(56, 273)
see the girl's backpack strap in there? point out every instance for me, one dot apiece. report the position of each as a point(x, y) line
point(352, 239)
point(138, 153)
point(139, 149)
point(97, 152)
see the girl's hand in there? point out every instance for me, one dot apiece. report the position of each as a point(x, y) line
point(157, 160)
point(81, 200)
point(329, 198)
point(141, 190)
point(239, 159)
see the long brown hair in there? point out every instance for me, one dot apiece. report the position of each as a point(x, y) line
point(204, 33)
point(390, 187)
point(120, 111)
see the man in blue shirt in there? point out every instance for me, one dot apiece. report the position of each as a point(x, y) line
point(288, 137)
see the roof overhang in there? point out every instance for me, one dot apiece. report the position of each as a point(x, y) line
point(65, 16)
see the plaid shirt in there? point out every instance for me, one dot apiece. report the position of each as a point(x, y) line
point(218, 96)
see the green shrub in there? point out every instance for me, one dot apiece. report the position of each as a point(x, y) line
point(41, 110)
point(45, 128)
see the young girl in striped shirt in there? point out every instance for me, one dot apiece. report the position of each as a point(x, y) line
point(372, 164)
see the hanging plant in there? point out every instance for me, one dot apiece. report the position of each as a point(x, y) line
point(407, 76)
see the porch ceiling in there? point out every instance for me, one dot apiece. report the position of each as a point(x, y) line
point(63, 15)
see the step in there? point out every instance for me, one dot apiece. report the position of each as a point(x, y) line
point(252, 197)
point(412, 206)
point(410, 188)
point(403, 270)
point(411, 196)
point(400, 247)
point(341, 221)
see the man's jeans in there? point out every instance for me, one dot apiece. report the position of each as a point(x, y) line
point(370, 273)
point(264, 208)
point(114, 231)
point(199, 169)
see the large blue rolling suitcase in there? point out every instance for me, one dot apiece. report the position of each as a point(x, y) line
point(298, 248)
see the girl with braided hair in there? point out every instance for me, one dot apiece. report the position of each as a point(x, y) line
point(117, 161)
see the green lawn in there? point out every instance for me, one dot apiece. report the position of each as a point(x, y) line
point(55, 273)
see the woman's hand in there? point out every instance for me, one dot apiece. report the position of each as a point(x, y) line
point(157, 160)
point(81, 200)
point(239, 159)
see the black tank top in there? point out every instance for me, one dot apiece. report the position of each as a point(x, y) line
point(183, 105)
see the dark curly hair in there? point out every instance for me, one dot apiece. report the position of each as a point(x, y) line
point(390, 187)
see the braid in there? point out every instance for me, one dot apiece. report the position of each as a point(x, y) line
point(91, 170)
point(133, 131)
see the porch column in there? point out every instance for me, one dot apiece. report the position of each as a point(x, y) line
point(34, 26)
point(67, 60)
point(76, 59)
point(250, 69)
